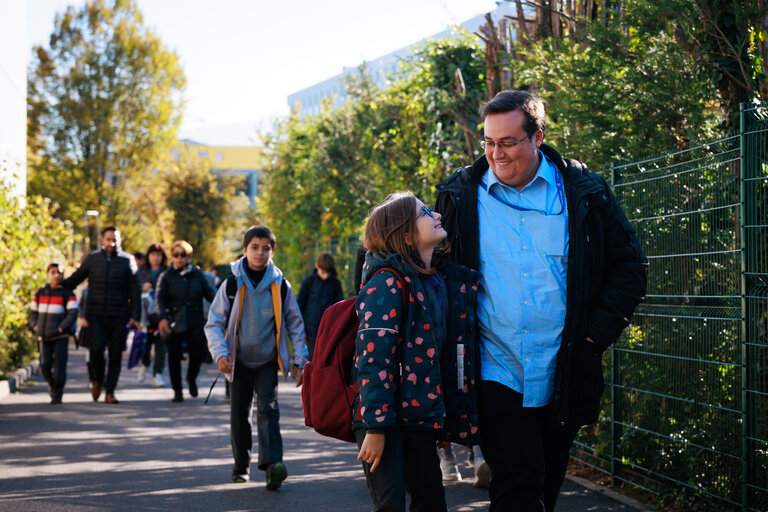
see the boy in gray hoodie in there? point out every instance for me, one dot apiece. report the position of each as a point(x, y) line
point(248, 339)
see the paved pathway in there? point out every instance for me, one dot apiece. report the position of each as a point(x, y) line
point(149, 454)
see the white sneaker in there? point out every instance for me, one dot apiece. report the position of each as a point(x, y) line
point(448, 465)
point(159, 382)
point(482, 471)
point(142, 373)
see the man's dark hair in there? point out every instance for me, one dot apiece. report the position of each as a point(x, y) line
point(259, 232)
point(138, 255)
point(109, 228)
point(509, 101)
point(326, 262)
point(53, 264)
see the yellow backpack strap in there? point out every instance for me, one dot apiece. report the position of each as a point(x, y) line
point(239, 316)
point(277, 305)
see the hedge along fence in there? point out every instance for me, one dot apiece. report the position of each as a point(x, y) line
point(686, 403)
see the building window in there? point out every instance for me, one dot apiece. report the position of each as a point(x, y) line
point(219, 156)
point(202, 153)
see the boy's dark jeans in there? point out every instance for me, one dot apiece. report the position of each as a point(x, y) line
point(105, 332)
point(409, 462)
point(263, 382)
point(527, 457)
point(53, 363)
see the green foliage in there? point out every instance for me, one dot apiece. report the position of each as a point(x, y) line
point(324, 173)
point(205, 207)
point(30, 238)
point(621, 90)
point(104, 104)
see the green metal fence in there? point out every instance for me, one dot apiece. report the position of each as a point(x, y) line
point(686, 402)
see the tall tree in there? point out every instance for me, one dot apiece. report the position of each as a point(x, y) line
point(207, 210)
point(104, 103)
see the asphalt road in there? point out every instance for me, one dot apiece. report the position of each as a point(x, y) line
point(147, 453)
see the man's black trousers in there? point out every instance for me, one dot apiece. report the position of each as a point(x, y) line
point(105, 332)
point(527, 457)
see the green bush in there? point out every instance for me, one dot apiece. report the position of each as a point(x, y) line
point(30, 238)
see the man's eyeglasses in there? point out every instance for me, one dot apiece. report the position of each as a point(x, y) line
point(489, 145)
point(179, 255)
point(425, 211)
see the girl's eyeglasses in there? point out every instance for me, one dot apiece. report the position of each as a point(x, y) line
point(425, 211)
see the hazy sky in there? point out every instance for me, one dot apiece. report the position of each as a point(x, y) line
point(242, 58)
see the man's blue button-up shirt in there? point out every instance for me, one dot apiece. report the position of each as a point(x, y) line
point(523, 260)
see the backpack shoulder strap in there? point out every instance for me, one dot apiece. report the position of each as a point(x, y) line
point(277, 305)
point(283, 289)
point(231, 284)
point(406, 295)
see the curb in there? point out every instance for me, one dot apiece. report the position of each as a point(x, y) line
point(610, 492)
point(18, 379)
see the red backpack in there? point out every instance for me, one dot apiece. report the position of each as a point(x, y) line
point(326, 395)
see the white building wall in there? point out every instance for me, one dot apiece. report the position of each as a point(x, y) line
point(310, 99)
point(13, 93)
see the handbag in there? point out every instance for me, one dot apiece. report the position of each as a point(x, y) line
point(82, 338)
point(138, 345)
point(178, 321)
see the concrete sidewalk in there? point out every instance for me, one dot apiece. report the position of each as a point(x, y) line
point(147, 453)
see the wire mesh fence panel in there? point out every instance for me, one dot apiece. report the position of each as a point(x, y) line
point(686, 408)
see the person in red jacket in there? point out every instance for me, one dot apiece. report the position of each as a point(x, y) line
point(51, 316)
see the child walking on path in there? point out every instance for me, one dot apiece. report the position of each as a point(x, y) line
point(52, 315)
point(318, 291)
point(415, 367)
point(248, 339)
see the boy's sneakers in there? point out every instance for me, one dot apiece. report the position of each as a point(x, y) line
point(142, 376)
point(276, 473)
point(239, 478)
point(158, 381)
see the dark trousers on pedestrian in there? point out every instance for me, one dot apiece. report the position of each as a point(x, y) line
point(309, 341)
point(53, 363)
point(154, 340)
point(262, 382)
point(106, 333)
point(409, 463)
point(196, 349)
point(527, 456)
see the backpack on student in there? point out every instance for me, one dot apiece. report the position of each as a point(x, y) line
point(230, 289)
point(326, 389)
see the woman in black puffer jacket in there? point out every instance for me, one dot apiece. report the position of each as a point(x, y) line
point(179, 294)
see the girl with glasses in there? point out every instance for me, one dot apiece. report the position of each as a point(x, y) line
point(415, 351)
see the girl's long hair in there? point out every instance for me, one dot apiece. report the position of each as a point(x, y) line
point(386, 228)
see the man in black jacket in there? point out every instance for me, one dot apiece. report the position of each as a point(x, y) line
point(113, 300)
point(562, 274)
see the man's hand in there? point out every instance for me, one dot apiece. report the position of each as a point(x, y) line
point(133, 324)
point(163, 326)
point(83, 322)
point(225, 364)
point(371, 450)
point(146, 287)
point(590, 340)
point(297, 374)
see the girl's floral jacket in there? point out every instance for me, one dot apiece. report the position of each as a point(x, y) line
point(405, 378)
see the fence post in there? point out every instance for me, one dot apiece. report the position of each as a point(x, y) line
point(614, 383)
point(744, 331)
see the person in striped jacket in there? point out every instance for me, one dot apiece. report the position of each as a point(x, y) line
point(52, 315)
